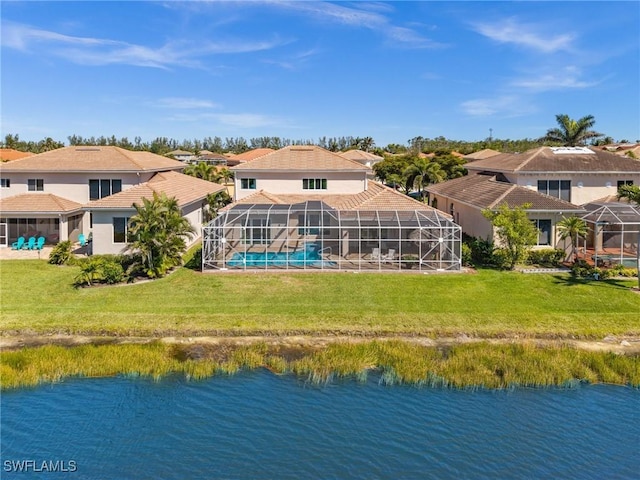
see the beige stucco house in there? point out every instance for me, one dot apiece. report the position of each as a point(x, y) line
point(556, 181)
point(304, 207)
point(46, 194)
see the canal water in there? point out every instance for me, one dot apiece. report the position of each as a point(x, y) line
point(256, 425)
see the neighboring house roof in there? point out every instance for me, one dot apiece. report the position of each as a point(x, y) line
point(92, 159)
point(251, 154)
point(361, 156)
point(482, 154)
point(8, 154)
point(37, 203)
point(302, 158)
point(375, 197)
point(486, 191)
point(557, 160)
point(180, 153)
point(184, 188)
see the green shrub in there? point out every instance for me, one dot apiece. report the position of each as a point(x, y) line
point(547, 257)
point(107, 269)
point(467, 255)
point(481, 251)
point(112, 272)
point(501, 258)
point(61, 253)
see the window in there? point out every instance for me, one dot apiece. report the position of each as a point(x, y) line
point(314, 183)
point(120, 229)
point(544, 231)
point(5, 182)
point(620, 183)
point(258, 232)
point(103, 188)
point(556, 188)
point(248, 183)
point(35, 184)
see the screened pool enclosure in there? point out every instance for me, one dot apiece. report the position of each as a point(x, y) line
point(313, 236)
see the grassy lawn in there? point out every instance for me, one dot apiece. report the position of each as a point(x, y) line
point(39, 298)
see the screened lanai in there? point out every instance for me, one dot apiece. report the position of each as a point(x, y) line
point(314, 236)
point(614, 233)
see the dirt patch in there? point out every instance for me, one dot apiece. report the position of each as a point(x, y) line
point(296, 346)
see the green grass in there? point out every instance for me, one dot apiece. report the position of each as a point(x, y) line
point(479, 365)
point(39, 298)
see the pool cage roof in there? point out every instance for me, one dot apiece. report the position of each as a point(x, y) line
point(613, 213)
point(271, 235)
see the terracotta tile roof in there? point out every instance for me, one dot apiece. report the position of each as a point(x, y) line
point(485, 191)
point(184, 188)
point(251, 154)
point(8, 154)
point(376, 197)
point(360, 156)
point(305, 158)
point(37, 203)
point(92, 159)
point(180, 152)
point(546, 159)
point(482, 154)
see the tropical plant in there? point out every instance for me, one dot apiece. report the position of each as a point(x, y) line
point(202, 170)
point(572, 228)
point(422, 173)
point(61, 253)
point(572, 132)
point(517, 234)
point(630, 192)
point(216, 201)
point(158, 231)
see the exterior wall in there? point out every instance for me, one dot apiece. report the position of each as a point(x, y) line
point(72, 186)
point(585, 187)
point(291, 182)
point(193, 213)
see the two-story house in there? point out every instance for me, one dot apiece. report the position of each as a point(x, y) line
point(49, 194)
point(305, 207)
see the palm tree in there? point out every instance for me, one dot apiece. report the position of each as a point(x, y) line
point(225, 175)
point(158, 230)
point(422, 173)
point(572, 228)
point(202, 170)
point(630, 192)
point(572, 132)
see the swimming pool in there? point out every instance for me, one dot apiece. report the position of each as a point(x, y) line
point(308, 257)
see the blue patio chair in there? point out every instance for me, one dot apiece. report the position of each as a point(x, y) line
point(31, 244)
point(40, 243)
point(18, 245)
point(82, 239)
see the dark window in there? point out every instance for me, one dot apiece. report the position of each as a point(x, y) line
point(248, 183)
point(258, 232)
point(103, 188)
point(35, 184)
point(624, 182)
point(556, 188)
point(5, 182)
point(120, 229)
point(314, 183)
point(544, 231)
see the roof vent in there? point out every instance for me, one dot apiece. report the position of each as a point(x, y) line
point(569, 150)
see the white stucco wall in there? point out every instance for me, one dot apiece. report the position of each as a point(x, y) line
point(291, 183)
point(72, 186)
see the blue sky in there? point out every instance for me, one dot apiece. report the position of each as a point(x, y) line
point(302, 70)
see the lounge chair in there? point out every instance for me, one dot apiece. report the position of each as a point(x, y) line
point(390, 256)
point(40, 243)
point(375, 254)
point(18, 244)
point(82, 240)
point(31, 244)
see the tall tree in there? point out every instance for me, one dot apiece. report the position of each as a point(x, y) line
point(572, 132)
point(158, 232)
point(630, 192)
point(202, 170)
point(422, 173)
point(572, 228)
point(517, 234)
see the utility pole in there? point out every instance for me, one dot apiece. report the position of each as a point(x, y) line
point(490, 135)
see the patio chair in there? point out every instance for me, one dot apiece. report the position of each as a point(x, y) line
point(375, 254)
point(31, 244)
point(40, 243)
point(82, 240)
point(18, 244)
point(390, 256)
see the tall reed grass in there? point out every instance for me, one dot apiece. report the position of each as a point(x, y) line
point(479, 365)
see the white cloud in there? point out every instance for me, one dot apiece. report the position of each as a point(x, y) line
point(96, 51)
point(527, 35)
point(183, 103)
point(505, 106)
point(565, 78)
